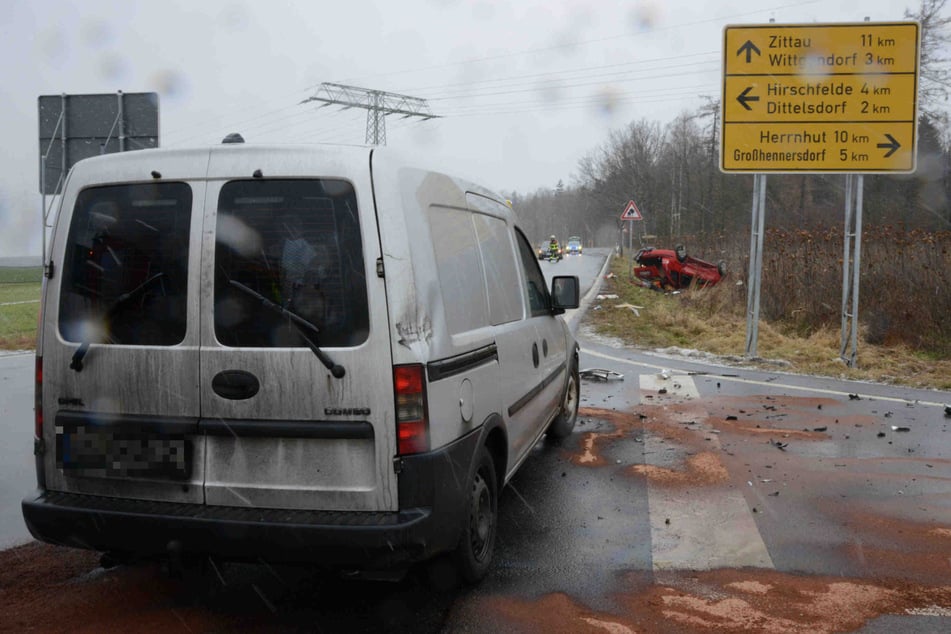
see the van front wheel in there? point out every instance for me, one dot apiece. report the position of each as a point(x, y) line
point(564, 423)
point(474, 553)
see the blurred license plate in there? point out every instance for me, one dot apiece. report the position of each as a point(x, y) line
point(112, 453)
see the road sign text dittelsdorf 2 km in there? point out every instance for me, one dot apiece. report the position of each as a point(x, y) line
point(820, 97)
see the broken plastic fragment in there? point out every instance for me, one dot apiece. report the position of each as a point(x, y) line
point(896, 428)
point(601, 374)
point(854, 397)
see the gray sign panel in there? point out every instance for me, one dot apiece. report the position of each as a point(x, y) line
point(74, 127)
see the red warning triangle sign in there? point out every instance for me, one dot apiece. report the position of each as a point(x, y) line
point(631, 212)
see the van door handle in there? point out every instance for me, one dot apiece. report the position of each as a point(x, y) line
point(535, 354)
point(235, 385)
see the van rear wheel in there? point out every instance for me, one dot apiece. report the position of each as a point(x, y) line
point(474, 553)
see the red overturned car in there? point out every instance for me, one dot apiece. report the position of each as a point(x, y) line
point(671, 270)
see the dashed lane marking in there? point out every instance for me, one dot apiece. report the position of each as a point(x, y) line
point(690, 528)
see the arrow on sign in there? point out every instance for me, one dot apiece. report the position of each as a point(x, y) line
point(748, 47)
point(745, 96)
point(892, 145)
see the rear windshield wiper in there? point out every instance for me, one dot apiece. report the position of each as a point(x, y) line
point(77, 361)
point(300, 324)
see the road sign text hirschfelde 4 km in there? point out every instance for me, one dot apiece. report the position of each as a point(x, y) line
point(802, 98)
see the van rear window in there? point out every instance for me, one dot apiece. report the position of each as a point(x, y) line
point(289, 265)
point(125, 271)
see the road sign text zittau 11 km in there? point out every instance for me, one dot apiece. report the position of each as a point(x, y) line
point(820, 98)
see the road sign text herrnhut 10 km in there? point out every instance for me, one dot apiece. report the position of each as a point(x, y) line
point(820, 97)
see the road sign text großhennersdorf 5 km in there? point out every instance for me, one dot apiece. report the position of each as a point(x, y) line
point(820, 97)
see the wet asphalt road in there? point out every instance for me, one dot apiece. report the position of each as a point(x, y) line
point(684, 467)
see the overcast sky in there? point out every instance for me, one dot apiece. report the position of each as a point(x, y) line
point(524, 88)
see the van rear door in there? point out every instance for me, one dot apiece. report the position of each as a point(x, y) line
point(289, 277)
point(120, 342)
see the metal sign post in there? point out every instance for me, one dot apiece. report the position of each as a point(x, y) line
point(631, 213)
point(851, 268)
point(755, 276)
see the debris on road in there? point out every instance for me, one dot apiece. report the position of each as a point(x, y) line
point(897, 428)
point(634, 309)
point(779, 445)
point(601, 374)
point(854, 397)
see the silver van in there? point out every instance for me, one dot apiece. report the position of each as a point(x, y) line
point(290, 354)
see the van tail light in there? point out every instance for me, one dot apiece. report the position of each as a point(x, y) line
point(412, 422)
point(38, 399)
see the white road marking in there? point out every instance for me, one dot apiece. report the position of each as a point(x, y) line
point(785, 386)
point(690, 528)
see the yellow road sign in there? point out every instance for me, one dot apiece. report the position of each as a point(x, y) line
point(820, 97)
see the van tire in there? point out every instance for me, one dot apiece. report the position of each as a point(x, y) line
point(564, 422)
point(473, 555)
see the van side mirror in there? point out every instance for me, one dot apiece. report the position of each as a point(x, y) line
point(564, 293)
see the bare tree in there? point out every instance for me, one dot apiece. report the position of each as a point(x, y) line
point(935, 60)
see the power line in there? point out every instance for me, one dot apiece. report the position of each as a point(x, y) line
point(579, 43)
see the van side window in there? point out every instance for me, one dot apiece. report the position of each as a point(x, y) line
point(536, 292)
point(459, 268)
point(501, 269)
point(297, 244)
point(125, 271)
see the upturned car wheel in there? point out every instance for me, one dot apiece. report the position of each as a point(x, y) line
point(474, 553)
point(681, 252)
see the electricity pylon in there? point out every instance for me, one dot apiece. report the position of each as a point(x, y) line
point(377, 103)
